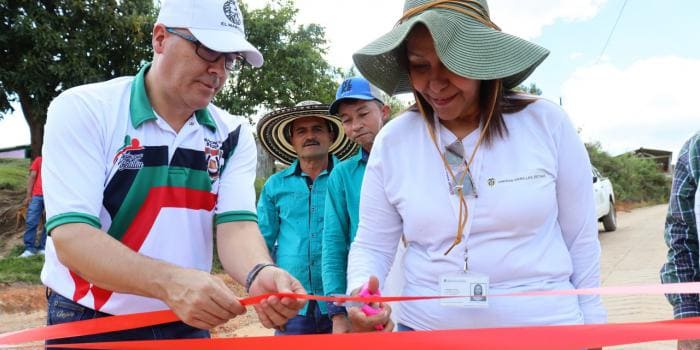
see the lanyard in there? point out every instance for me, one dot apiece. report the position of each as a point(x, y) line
point(463, 208)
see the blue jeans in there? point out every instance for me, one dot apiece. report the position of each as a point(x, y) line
point(34, 213)
point(404, 328)
point(314, 322)
point(62, 310)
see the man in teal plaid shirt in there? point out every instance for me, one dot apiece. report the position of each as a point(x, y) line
point(681, 234)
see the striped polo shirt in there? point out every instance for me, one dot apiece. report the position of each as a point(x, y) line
point(111, 162)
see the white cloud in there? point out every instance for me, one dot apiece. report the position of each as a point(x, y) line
point(14, 130)
point(528, 18)
point(350, 25)
point(575, 55)
point(651, 103)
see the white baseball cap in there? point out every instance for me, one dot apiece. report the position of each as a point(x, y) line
point(217, 24)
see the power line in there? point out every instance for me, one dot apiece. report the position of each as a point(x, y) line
point(622, 9)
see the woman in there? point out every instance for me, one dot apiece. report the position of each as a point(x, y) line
point(491, 188)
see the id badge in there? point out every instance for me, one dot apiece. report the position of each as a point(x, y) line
point(472, 287)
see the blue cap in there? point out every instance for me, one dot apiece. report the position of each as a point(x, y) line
point(355, 88)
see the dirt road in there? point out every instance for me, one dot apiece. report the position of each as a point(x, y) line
point(631, 255)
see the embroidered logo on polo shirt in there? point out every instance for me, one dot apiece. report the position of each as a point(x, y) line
point(130, 161)
point(130, 156)
point(215, 161)
point(129, 145)
point(232, 13)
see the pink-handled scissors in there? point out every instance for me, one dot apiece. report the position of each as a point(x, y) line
point(365, 307)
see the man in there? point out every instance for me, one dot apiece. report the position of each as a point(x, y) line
point(681, 234)
point(34, 202)
point(137, 171)
point(292, 201)
point(363, 113)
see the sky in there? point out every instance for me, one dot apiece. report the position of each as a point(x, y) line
point(639, 90)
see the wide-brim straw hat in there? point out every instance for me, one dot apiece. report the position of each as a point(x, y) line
point(274, 131)
point(467, 42)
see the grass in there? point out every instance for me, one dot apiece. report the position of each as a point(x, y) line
point(13, 174)
point(15, 269)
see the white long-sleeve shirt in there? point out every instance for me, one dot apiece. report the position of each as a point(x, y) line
point(532, 227)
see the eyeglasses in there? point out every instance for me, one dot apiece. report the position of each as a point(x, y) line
point(233, 61)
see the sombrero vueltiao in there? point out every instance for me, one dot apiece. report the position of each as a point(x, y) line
point(466, 41)
point(273, 131)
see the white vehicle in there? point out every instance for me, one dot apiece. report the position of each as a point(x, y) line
point(604, 201)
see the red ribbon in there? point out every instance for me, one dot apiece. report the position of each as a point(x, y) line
point(553, 337)
point(88, 327)
point(524, 338)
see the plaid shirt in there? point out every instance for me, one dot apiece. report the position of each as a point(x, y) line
point(681, 232)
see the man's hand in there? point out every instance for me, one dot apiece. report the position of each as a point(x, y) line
point(690, 344)
point(201, 300)
point(25, 202)
point(275, 312)
point(341, 324)
point(363, 323)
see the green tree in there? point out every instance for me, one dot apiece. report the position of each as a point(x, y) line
point(49, 46)
point(634, 179)
point(396, 106)
point(532, 89)
point(352, 72)
point(294, 68)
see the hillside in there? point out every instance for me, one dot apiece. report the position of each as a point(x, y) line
point(13, 179)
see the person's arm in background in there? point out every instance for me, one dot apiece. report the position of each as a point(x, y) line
point(31, 179)
point(681, 235)
point(268, 217)
point(335, 247)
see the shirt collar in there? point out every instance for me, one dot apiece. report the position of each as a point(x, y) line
point(364, 155)
point(141, 109)
point(360, 157)
point(295, 167)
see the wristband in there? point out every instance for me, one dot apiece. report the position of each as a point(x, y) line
point(334, 309)
point(254, 273)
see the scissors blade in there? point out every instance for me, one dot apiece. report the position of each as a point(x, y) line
point(346, 303)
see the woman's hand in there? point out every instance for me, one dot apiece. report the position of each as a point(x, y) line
point(341, 324)
point(363, 323)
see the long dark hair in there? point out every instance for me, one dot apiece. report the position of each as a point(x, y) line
point(493, 102)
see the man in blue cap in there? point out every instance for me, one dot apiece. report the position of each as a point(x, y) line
point(363, 113)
